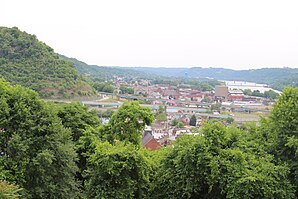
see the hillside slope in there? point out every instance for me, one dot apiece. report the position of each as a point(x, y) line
point(99, 74)
point(103, 72)
point(25, 60)
point(276, 77)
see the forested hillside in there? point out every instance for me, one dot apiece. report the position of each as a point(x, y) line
point(29, 62)
point(97, 74)
point(276, 77)
point(104, 73)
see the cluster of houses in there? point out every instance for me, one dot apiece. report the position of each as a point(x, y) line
point(156, 137)
point(166, 92)
point(182, 103)
point(155, 93)
point(231, 100)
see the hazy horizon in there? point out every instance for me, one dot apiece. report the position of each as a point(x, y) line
point(172, 34)
point(178, 66)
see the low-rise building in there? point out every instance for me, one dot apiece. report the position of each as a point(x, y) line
point(235, 95)
point(222, 92)
point(149, 142)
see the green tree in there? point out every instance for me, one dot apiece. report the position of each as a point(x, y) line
point(161, 109)
point(220, 165)
point(180, 125)
point(162, 117)
point(126, 90)
point(108, 89)
point(118, 171)
point(247, 92)
point(174, 122)
point(193, 121)
point(282, 126)
point(78, 118)
point(230, 120)
point(271, 94)
point(129, 122)
point(257, 93)
point(215, 107)
point(104, 87)
point(36, 150)
point(9, 191)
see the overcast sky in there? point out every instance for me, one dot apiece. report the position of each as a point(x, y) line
point(238, 34)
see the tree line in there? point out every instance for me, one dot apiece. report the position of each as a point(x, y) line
point(52, 150)
point(267, 94)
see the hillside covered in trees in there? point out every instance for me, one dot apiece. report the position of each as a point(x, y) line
point(100, 75)
point(29, 62)
point(278, 78)
point(104, 73)
point(63, 151)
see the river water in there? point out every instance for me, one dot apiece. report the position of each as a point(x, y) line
point(248, 85)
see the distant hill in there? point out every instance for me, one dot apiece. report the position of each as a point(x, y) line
point(101, 73)
point(276, 77)
point(26, 61)
point(104, 73)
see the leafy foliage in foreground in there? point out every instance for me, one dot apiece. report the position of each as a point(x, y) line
point(128, 123)
point(283, 127)
point(118, 171)
point(38, 153)
point(216, 166)
point(78, 119)
point(26, 61)
point(9, 191)
point(116, 164)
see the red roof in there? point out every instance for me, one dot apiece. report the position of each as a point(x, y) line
point(152, 144)
point(172, 103)
point(149, 142)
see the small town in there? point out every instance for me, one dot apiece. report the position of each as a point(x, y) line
point(179, 111)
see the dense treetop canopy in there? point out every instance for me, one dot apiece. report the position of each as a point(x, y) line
point(36, 151)
point(63, 151)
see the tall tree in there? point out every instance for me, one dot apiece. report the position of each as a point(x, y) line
point(129, 122)
point(217, 165)
point(162, 117)
point(161, 109)
point(193, 121)
point(117, 171)
point(283, 127)
point(117, 166)
point(78, 119)
point(36, 150)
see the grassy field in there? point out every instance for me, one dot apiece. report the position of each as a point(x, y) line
point(247, 117)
